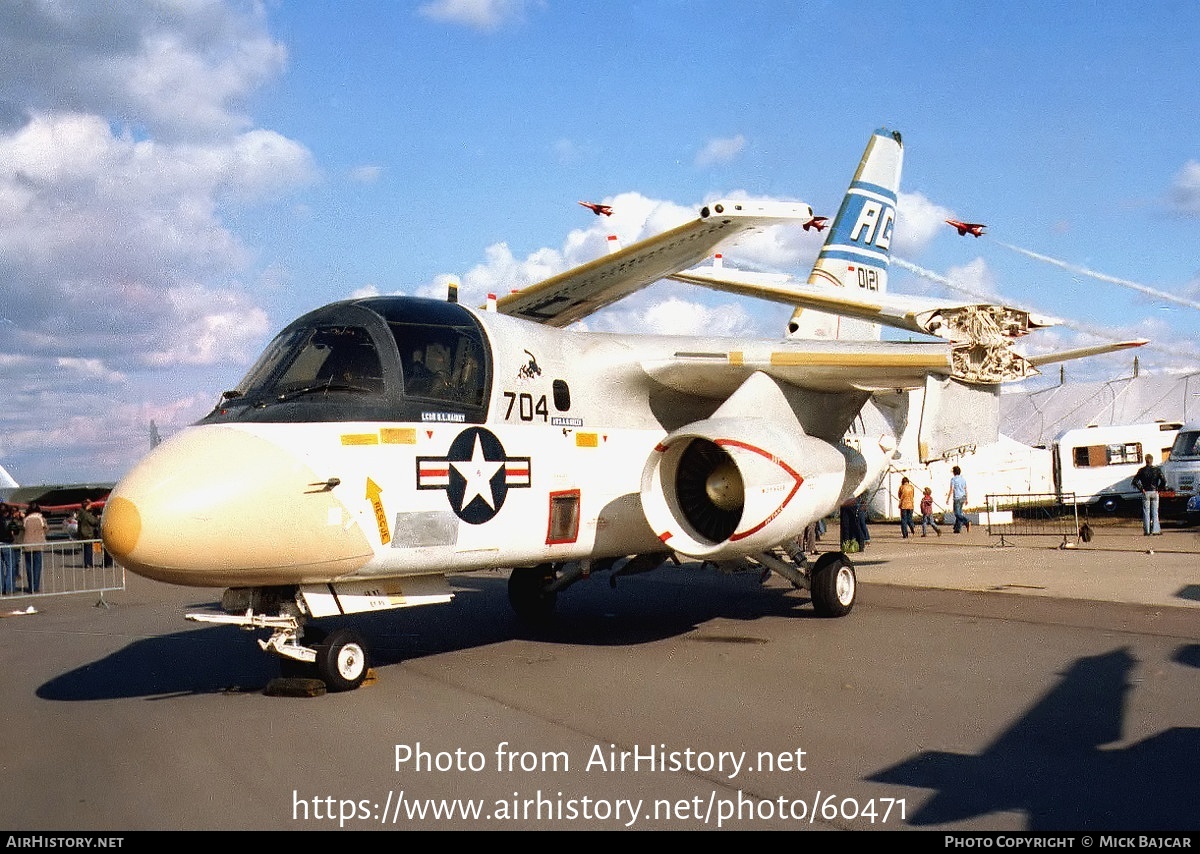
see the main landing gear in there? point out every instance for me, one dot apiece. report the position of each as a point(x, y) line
point(830, 581)
point(833, 585)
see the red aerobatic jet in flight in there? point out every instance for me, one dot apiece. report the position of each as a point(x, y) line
point(817, 222)
point(974, 228)
point(597, 209)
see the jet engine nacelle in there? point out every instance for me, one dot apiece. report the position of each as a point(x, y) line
point(729, 487)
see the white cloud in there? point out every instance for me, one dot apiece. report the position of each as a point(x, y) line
point(567, 152)
point(179, 70)
point(92, 369)
point(974, 279)
point(918, 221)
point(481, 15)
point(1185, 188)
point(366, 174)
point(676, 316)
point(113, 230)
point(209, 327)
point(90, 436)
point(124, 144)
point(364, 291)
point(719, 151)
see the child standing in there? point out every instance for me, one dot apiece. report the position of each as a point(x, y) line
point(927, 512)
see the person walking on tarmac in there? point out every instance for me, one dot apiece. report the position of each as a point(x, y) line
point(958, 495)
point(927, 512)
point(907, 497)
point(1148, 481)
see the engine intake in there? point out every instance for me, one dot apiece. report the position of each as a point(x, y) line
point(729, 487)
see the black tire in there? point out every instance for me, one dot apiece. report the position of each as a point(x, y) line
point(342, 661)
point(527, 592)
point(1110, 503)
point(834, 585)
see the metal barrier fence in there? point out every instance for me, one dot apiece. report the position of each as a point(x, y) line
point(66, 566)
point(1033, 514)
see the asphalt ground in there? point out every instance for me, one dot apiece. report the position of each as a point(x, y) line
point(1119, 564)
point(975, 686)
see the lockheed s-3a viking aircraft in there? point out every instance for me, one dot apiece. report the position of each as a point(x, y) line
point(381, 443)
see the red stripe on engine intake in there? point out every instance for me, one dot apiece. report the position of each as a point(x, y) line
point(799, 479)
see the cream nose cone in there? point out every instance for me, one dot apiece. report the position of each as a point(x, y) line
point(221, 506)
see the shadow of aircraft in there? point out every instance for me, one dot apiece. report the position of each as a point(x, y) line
point(214, 659)
point(1051, 764)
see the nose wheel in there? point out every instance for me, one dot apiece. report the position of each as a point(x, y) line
point(342, 661)
point(339, 658)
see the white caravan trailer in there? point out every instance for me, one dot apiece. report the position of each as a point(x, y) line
point(1098, 463)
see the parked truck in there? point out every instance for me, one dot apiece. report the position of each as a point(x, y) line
point(1182, 470)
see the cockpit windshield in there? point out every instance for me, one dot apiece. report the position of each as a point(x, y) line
point(315, 359)
point(373, 359)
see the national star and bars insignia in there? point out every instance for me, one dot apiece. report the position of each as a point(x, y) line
point(476, 474)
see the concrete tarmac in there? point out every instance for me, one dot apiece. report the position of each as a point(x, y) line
point(1119, 564)
point(975, 686)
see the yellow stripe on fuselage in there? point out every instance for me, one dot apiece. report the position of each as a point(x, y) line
point(859, 360)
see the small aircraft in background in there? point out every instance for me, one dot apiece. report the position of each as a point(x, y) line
point(964, 228)
point(817, 222)
point(598, 209)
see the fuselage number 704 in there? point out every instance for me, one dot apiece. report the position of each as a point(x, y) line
point(527, 408)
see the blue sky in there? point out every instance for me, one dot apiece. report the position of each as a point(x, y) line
point(179, 180)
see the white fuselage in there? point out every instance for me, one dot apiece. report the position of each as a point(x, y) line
point(555, 473)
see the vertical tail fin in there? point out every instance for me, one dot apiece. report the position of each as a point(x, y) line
point(857, 251)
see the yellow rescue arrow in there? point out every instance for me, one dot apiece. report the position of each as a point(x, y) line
point(373, 495)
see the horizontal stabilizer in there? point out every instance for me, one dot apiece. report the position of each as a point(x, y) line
point(1084, 352)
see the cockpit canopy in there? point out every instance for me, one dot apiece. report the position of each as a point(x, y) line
point(372, 359)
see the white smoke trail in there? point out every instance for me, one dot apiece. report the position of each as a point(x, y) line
point(1084, 271)
point(937, 278)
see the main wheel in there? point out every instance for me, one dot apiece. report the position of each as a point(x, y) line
point(834, 585)
point(342, 661)
point(527, 592)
